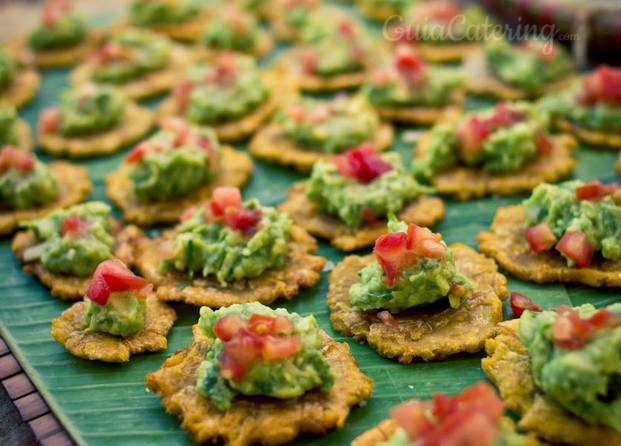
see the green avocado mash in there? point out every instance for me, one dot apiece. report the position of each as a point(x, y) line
point(137, 53)
point(528, 67)
point(330, 126)
point(75, 254)
point(27, 190)
point(335, 56)
point(123, 315)
point(426, 281)
point(327, 23)
point(557, 206)
point(283, 379)
point(211, 248)
point(8, 69)
point(506, 149)
point(469, 24)
point(586, 381)
point(225, 98)
point(8, 119)
point(90, 109)
point(67, 32)
point(163, 12)
point(238, 32)
point(167, 170)
point(349, 199)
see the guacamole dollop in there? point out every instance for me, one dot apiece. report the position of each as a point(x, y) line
point(90, 109)
point(163, 12)
point(584, 381)
point(329, 126)
point(25, 182)
point(66, 32)
point(282, 376)
point(72, 241)
point(233, 30)
point(8, 69)
point(8, 119)
point(123, 315)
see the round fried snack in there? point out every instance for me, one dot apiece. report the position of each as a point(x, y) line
point(23, 88)
point(508, 367)
point(185, 32)
point(71, 331)
point(595, 138)
point(71, 287)
point(379, 13)
point(422, 115)
point(439, 53)
point(424, 211)
point(56, 58)
point(272, 145)
point(481, 81)
point(506, 243)
point(151, 84)
point(465, 183)
point(301, 270)
point(254, 420)
point(24, 137)
point(133, 125)
point(74, 186)
point(234, 170)
point(432, 332)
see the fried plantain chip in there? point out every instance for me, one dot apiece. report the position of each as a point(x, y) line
point(301, 270)
point(618, 166)
point(133, 125)
point(422, 115)
point(465, 183)
point(261, 420)
point(74, 186)
point(436, 53)
point(481, 81)
point(185, 32)
point(23, 88)
point(272, 145)
point(591, 137)
point(55, 58)
point(506, 243)
point(151, 84)
point(379, 13)
point(234, 170)
point(432, 332)
point(71, 331)
point(71, 287)
point(508, 367)
point(23, 135)
point(425, 211)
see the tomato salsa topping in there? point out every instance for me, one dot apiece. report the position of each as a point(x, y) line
point(410, 66)
point(226, 207)
point(595, 190)
point(113, 276)
point(362, 163)
point(601, 86)
point(14, 158)
point(520, 302)
point(572, 332)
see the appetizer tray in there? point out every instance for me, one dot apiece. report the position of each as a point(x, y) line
point(107, 404)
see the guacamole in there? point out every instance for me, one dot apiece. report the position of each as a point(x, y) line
point(559, 207)
point(228, 89)
point(8, 120)
point(530, 65)
point(584, 379)
point(123, 314)
point(355, 202)
point(90, 109)
point(130, 55)
point(260, 351)
point(211, 245)
point(333, 57)
point(8, 69)
point(72, 241)
point(163, 12)
point(233, 30)
point(25, 182)
point(329, 126)
point(500, 139)
point(58, 33)
point(419, 280)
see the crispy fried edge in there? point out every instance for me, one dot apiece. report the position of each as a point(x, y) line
point(151, 84)
point(235, 170)
point(422, 115)
point(71, 331)
point(185, 32)
point(302, 270)
point(506, 243)
point(74, 186)
point(424, 211)
point(377, 13)
point(465, 183)
point(61, 57)
point(134, 124)
point(272, 145)
point(22, 89)
point(595, 138)
point(490, 288)
point(255, 420)
point(70, 287)
point(442, 53)
point(508, 367)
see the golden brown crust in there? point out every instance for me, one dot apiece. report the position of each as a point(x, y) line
point(24, 137)
point(301, 270)
point(61, 57)
point(437, 53)
point(23, 88)
point(481, 81)
point(151, 84)
point(71, 331)
point(424, 211)
point(505, 242)
point(234, 170)
point(71, 287)
point(595, 138)
point(253, 420)
point(618, 166)
point(272, 145)
point(133, 125)
point(379, 13)
point(433, 332)
point(422, 115)
point(74, 186)
point(508, 366)
point(465, 183)
point(188, 31)
point(378, 434)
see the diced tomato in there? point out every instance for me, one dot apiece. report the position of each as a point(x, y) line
point(471, 135)
point(520, 302)
point(14, 158)
point(425, 243)
point(283, 325)
point(205, 144)
point(412, 417)
point(138, 152)
point(231, 369)
point(504, 115)
point(389, 251)
point(72, 225)
point(228, 326)
point(464, 428)
point(380, 78)
point(595, 191)
point(346, 28)
point(224, 198)
point(443, 11)
point(410, 65)
point(98, 290)
point(244, 348)
point(296, 113)
point(387, 318)
point(432, 248)
point(261, 325)
point(112, 276)
point(602, 85)
point(308, 62)
point(245, 220)
point(53, 11)
point(319, 114)
point(182, 94)
point(362, 163)
point(575, 245)
point(543, 143)
point(540, 237)
point(572, 332)
point(49, 121)
point(277, 348)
